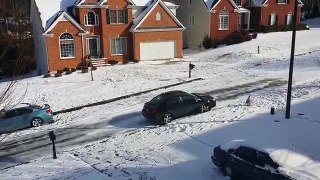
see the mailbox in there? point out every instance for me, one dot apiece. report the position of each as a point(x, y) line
point(52, 136)
point(191, 66)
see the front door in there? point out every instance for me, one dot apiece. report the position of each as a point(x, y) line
point(93, 44)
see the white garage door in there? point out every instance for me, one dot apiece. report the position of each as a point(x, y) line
point(157, 50)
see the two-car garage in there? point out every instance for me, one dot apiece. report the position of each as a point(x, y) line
point(157, 50)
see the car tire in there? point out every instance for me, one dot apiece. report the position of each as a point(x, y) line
point(228, 171)
point(36, 122)
point(167, 118)
point(205, 108)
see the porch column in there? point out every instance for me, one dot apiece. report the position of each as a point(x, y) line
point(248, 24)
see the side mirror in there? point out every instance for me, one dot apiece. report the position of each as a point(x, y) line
point(197, 99)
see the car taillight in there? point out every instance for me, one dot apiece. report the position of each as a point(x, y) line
point(153, 110)
point(49, 111)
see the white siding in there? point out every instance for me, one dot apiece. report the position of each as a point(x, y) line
point(39, 40)
point(193, 35)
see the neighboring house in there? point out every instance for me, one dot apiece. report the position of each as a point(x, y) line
point(272, 12)
point(220, 18)
point(66, 32)
point(215, 18)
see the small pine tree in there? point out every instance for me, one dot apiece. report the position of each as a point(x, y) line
point(207, 42)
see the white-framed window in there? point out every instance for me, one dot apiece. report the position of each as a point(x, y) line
point(67, 49)
point(119, 46)
point(237, 2)
point(223, 20)
point(289, 19)
point(158, 16)
point(281, 1)
point(91, 19)
point(273, 18)
point(191, 20)
point(117, 16)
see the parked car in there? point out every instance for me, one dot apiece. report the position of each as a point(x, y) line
point(167, 106)
point(24, 116)
point(244, 161)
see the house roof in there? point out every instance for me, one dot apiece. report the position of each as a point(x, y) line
point(144, 14)
point(49, 10)
point(212, 3)
point(262, 2)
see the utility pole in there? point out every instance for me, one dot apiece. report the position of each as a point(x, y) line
point(295, 17)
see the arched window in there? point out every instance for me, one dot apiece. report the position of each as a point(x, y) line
point(158, 16)
point(91, 19)
point(223, 20)
point(66, 45)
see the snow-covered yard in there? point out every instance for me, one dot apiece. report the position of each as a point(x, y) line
point(182, 149)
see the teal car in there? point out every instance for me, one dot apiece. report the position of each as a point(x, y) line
point(24, 117)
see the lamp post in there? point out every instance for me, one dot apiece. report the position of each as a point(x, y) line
point(291, 59)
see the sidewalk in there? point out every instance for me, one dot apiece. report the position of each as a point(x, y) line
point(64, 167)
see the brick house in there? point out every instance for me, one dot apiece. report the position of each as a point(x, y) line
point(272, 12)
point(66, 32)
point(220, 18)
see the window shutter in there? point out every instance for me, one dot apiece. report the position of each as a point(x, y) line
point(126, 16)
point(108, 16)
point(269, 19)
point(85, 19)
point(97, 20)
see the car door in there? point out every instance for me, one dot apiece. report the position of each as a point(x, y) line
point(265, 166)
point(175, 106)
point(189, 103)
point(243, 161)
point(8, 121)
point(24, 117)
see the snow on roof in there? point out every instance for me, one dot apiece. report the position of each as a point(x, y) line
point(49, 9)
point(142, 2)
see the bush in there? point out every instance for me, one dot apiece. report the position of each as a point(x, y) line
point(112, 62)
point(216, 43)
point(237, 38)
point(207, 42)
point(254, 35)
point(68, 72)
point(59, 71)
point(78, 67)
point(94, 68)
point(57, 74)
point(228, 41)
point(47, 75)
point(73, 69)
point(84, 70)
point(244, 32)
point(248, 38)
point(66, 69)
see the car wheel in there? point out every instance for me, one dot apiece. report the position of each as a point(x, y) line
point(167, 118)
point(205, 108)
point(36, 122)
point(227, 170)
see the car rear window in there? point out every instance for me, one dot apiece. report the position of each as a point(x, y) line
point(157, 100)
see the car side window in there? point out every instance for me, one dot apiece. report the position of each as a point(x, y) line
point(264, 159)
point(174, 102)
point(247, 154)
point(188, 99)
point(23, 111)
point(10, 114)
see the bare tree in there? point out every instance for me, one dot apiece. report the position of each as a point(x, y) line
point(15, 15)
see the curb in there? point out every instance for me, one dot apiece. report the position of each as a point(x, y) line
point(122, 97)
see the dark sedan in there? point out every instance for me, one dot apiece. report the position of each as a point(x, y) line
point(244, 162)
point(174, 104)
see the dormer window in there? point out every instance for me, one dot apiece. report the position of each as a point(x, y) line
point(281, 1)
point(158, 16)
point(91, 19)
point(224, 20)
point(237, 2)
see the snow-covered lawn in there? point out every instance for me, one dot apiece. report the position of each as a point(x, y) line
point(182, 149)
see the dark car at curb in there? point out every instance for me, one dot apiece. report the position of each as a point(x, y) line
point(244, 162)
point(167, 106)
